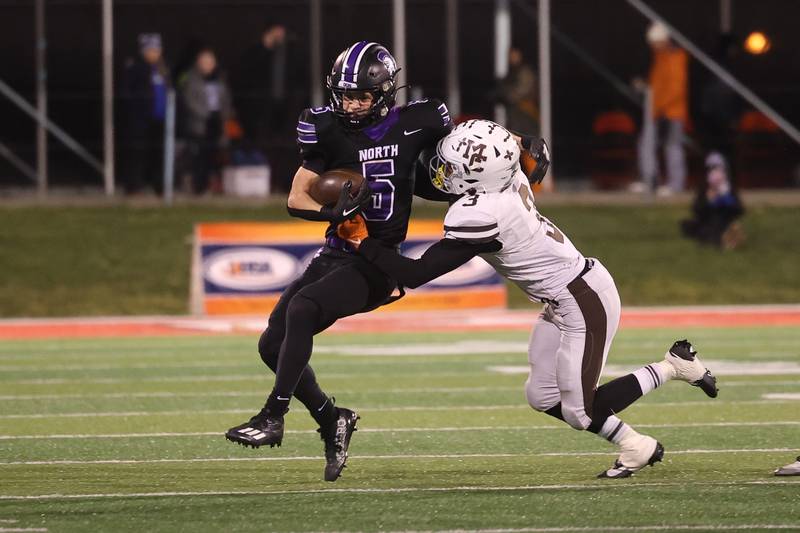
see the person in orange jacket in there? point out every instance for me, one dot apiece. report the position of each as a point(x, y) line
point(667, 113)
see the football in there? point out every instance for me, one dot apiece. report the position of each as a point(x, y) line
point(328, 185)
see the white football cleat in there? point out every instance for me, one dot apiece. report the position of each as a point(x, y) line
point(792, 469)
point(638, 451)
point(683, 358)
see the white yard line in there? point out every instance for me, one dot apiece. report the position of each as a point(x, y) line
point(781, 396)
point(604, 486)
point(419, 390)
point(260, 377)
point(393, 457)
point(396, 430)
point(412, 408)
point(580, 529)
point(10, 529)
point(720, 367)
point(234, 394)
point(409, 408)
point(136, 366)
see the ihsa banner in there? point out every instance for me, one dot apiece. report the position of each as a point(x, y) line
point(242, 268)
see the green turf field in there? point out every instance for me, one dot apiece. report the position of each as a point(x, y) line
point(126, 435)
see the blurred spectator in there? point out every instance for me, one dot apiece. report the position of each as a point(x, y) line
point(716, 208)
point(185, 59)
point(144, 99)
point(261, 86)
point(518, 92)
point(206, 107)
point(668, 113)
point(720, 105)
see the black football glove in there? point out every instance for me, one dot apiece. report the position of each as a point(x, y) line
point(534, 157)
point(349, 206)
point(541, 154)
point(346, 207)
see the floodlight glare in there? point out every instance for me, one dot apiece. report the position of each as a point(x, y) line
point(757, 43)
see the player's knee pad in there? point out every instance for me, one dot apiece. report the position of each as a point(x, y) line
point(575, 417)
point(268, 348)
point(537, 399)
point(303, 310)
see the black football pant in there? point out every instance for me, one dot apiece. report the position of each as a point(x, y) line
point(336, 284)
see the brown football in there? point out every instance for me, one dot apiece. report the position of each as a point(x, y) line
point(327, 187)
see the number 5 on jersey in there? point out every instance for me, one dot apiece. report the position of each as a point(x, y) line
point(379, 174)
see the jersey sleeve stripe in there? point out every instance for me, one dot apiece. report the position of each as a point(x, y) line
point(472, 238)
point(306, 129)
point(445, 114)
point(471, 229)
point(469, 236)
point(304, 124)
point(304, 141)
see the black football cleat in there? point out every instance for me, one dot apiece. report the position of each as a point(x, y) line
point(260, 430)
point(683, 358)
point(337, 441)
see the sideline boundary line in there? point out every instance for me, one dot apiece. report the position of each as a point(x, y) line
point(393, 321)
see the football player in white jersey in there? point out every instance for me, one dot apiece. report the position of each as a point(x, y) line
point(495, 217)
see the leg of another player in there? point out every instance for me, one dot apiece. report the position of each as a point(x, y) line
point(308, 390)
point(541, 388)
point(340, 293)
point(680, 362)
point(343, 292)
point(590, 321)
point(261, 429)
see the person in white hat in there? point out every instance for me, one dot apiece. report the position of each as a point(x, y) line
point(666, 115)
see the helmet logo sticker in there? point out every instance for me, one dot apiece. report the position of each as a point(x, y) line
point(388, 62)
point(473, 152)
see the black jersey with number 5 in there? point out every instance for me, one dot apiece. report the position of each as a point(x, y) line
point(384, 153)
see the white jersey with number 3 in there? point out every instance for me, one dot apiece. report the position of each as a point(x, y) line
point(535, 255)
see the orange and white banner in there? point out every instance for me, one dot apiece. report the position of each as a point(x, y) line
point(242, 268)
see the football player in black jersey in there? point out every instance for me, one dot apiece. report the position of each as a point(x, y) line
point(363, 130)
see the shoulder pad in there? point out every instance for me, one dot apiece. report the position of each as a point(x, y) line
point(311, 122)
point(436, 110)
point(464, 222)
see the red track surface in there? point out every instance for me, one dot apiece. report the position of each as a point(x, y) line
point(386, 321)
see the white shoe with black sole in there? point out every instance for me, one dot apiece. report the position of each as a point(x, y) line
point(688, 367)
point(638, 451)
point(792, 469)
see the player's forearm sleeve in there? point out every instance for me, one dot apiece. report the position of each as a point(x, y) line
point(323, 215)
point(439, 259)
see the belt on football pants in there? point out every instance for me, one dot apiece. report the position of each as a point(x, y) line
point(587, 266)
point(337, 243)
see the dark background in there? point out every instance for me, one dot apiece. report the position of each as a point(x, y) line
point(610, 30)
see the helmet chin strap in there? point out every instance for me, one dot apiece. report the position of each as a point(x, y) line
point(406, 86)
